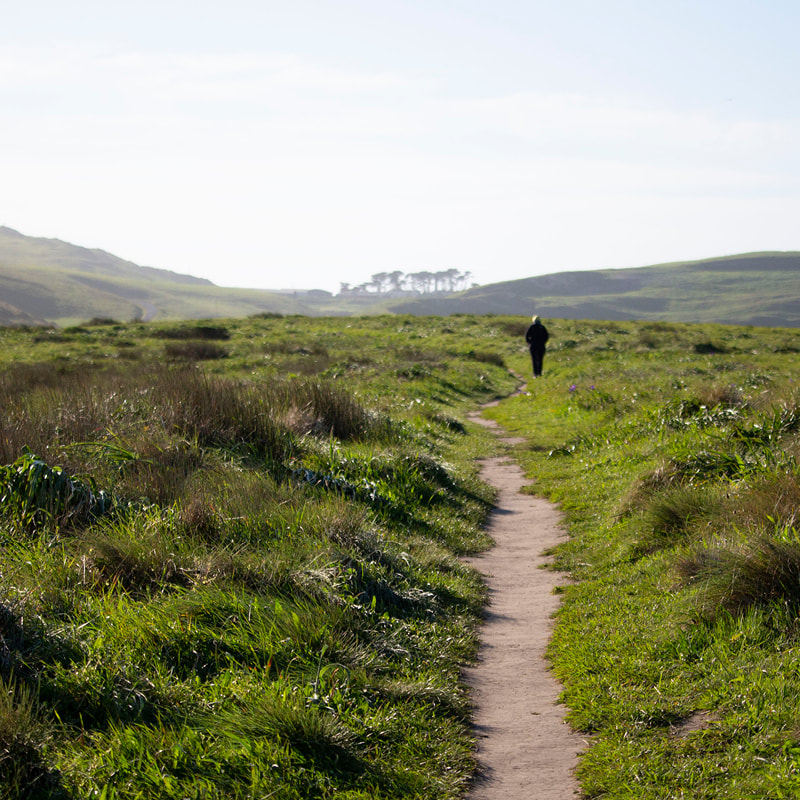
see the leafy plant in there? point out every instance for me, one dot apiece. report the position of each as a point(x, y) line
point(36, 493)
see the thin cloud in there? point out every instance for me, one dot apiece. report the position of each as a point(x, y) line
point(186, 77)
point(587, 122)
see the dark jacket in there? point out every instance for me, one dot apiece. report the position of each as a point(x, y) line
point(537, 336)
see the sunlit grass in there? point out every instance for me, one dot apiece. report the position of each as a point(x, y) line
point(672, 451)
point(267, 601)
point(272, 602)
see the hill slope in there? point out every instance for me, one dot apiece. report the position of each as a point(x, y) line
point(751, 289)
point(50, 281)
point(30, 251)
point(47, 280)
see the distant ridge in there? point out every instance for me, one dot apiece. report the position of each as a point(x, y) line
point(19, 250)
point(749, 289)
point(48, 281)
point(11, 316)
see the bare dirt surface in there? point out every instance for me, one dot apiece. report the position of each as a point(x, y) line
point(525, 749)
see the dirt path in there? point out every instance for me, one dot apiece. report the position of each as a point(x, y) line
point(525, 749)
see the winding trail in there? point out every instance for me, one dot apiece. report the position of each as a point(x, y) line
point(525, 749)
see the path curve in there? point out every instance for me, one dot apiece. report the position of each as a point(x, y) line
point(525, 749)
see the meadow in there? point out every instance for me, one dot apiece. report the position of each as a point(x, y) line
point(229, 553)
point(229, 557)
point(673, 452)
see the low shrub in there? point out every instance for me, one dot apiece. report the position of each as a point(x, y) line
point(487, 357)
point(203, 332)
point(17, 380)
point(95, 322)
point(708, 348)
point(326, 410)
point(774, 501)
point(195, 351)
point(515, 328)
point(222, 412)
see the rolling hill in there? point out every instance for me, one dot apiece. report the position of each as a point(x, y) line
point(47, 281)
point(748, 289)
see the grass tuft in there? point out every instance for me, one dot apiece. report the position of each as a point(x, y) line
point(316, 733)
point(672, 515)
point(765, 573)
point(23, 738)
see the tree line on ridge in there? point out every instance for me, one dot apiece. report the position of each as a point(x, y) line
point(423, 282)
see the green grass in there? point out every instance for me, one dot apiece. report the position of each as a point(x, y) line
point(675, 464)
point(238, 577)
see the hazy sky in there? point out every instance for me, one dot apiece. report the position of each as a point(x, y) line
point(302, 143)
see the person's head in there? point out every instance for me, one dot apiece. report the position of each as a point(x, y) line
point(536, 320)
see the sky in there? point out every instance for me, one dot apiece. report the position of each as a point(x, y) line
point(301, 144)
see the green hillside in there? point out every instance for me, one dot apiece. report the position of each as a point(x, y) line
point(751, 289)
point(31, 251)
point(50, 281)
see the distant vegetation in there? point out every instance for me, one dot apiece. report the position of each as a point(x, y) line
point(396, 283)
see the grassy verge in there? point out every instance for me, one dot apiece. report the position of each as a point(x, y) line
point(228, 554)
point(673, 452)
point(228, 557)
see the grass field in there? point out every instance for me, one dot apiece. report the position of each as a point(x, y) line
point(228, 557)
point(673, 451)
point(229, 554)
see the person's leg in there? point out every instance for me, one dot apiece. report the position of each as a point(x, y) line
point(536, 355)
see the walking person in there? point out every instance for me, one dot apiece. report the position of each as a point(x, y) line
point(536, 337)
